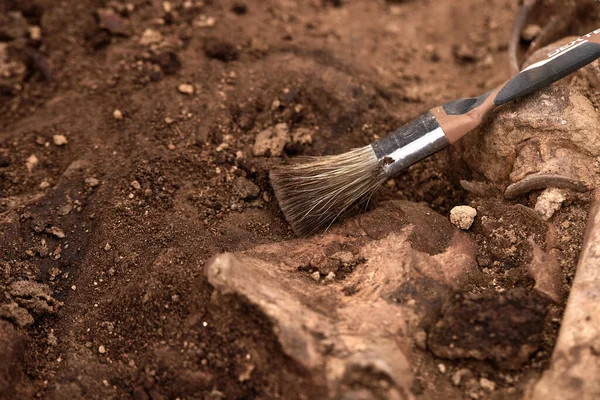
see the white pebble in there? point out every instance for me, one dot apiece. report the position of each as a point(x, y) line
point(185, 88)
point(463, 216)
point(60, 140)
point(117, 114)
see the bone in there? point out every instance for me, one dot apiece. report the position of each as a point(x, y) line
point(549, 139)
point(353, 333)
point(575, 366)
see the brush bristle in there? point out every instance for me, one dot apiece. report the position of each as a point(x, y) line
point(315, 191)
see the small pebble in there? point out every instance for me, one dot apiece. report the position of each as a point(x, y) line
point(60, 140)
point(245, 188)
point(316, 276)
point(488, 385)
point(35, 32)
point(31, 162)
point(150, 36)
point(101, 349)
point(107, 247)
point(442, 368)
point(330, 277)
point(185, 88)
point(56, 231)
point(117, 114)
point(463, 216)
point(549, 202)
point(136, 185)
point(92, 182)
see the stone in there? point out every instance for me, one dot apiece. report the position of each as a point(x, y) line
point(92, 182)
point(185, 88)
point(487, 385)
point(150, 36)
point(271, 141)
point(463, 216)
point(60, 140)
point(316, 276)
point(31, 162)
point(549, 202)
point(245, 188)
point(118, 115)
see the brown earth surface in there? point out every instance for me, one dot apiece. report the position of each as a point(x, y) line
point(127, 161)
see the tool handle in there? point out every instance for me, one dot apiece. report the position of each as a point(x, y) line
point(459, 117)
point(580, 53)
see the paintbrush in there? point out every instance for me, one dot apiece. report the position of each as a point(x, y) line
point(314, 192)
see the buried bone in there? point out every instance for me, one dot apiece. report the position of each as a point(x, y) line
point(549, 139)
point(397, 276)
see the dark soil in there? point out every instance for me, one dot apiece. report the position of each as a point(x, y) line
point(119, 221)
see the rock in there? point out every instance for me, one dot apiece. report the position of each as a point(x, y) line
point(136, 185)
point(549, 202)
point(461, 375)
point(59, 140)
point(92, 182)
point(463, 216)
point(31, 162)
point(487, 385)
point(271, 141)
point(150, 36)
point(35, 33)
point(56, 231)
point(118, 115)
point(245, 188)
point(316, 276)
point(330, 277)
point(101, 349)
point(185, 88)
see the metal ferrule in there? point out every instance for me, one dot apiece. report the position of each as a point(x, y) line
point(411, 143)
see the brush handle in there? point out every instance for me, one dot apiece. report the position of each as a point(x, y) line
point(446, 124)
point(461, 116)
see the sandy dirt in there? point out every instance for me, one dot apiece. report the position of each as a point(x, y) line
point(127, 161)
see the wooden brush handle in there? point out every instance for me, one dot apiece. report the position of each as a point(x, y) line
point(461, 116)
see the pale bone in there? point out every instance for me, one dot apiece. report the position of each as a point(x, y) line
point(575, 369)
point(548, 139)
point(343, 340)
